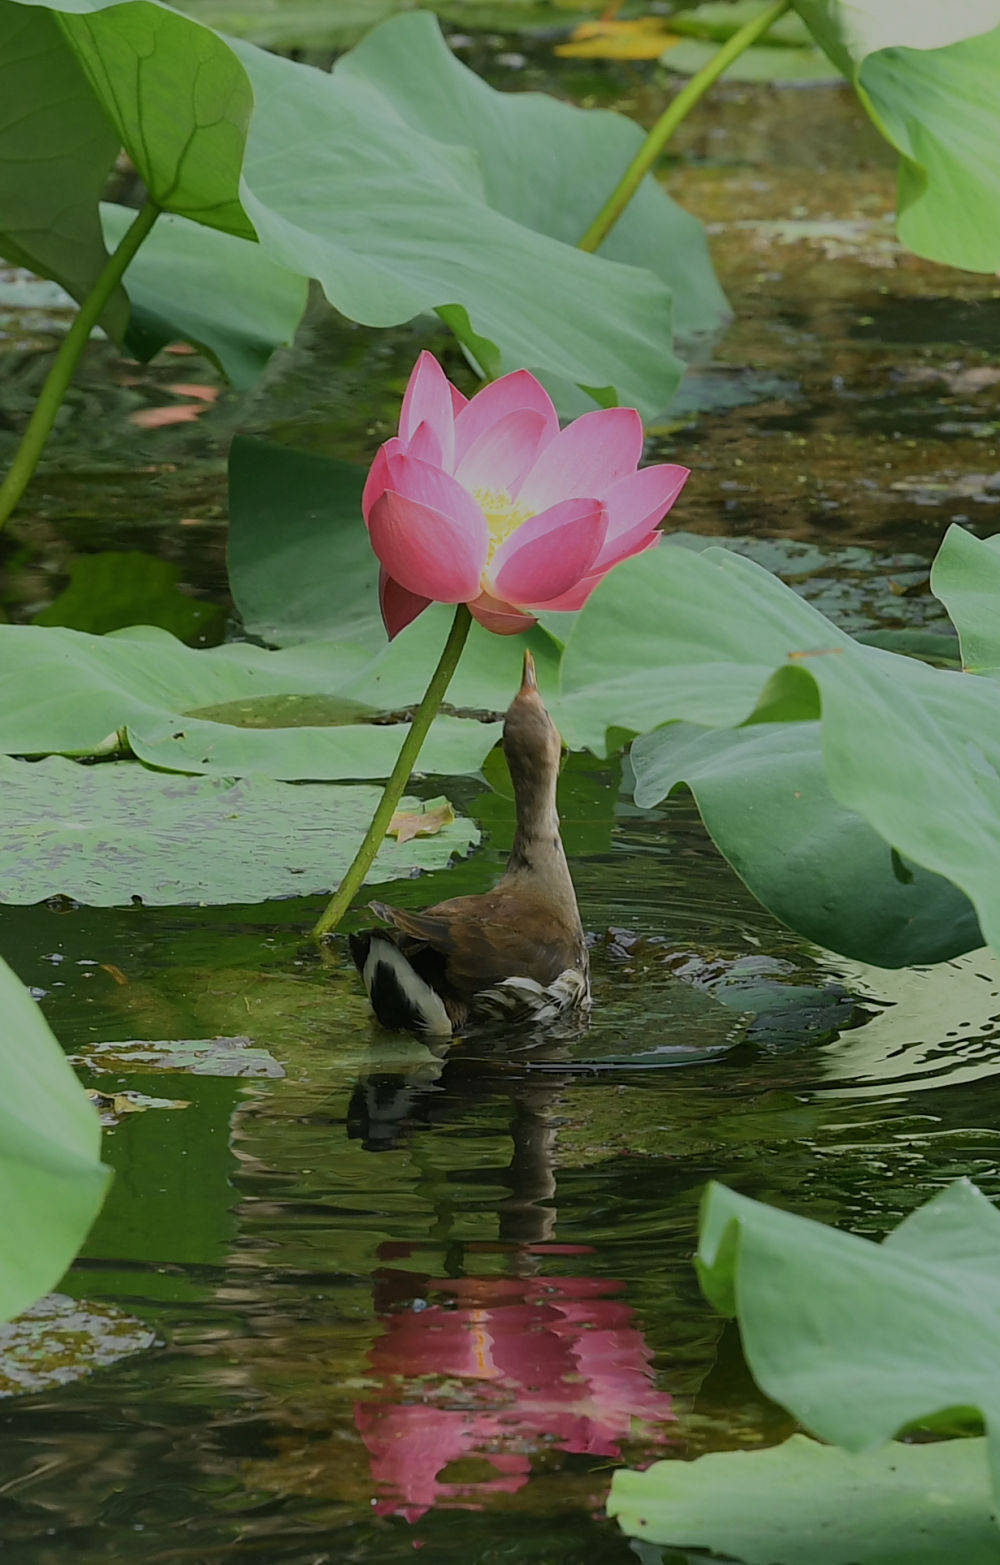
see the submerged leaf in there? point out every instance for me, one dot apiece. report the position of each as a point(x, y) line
point(59, 1340)
point(235, 1056)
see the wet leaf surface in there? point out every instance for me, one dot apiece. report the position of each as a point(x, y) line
point(119, 833)
point(65, 691)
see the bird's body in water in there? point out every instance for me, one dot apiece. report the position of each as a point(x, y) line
point(514, 954)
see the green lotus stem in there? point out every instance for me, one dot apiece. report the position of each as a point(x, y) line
point(393, 791)
point(59, 376)
point(676, 111)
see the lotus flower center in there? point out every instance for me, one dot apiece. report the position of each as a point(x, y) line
point(503, 516)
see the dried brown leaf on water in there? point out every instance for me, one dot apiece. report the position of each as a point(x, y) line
point(407, 824)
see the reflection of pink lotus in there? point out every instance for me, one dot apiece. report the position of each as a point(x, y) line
point(488, 502)
point(516, 1366)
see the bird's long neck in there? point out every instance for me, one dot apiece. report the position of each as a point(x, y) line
point(537, 852)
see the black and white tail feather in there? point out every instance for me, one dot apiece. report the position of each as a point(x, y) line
point(403, 1000)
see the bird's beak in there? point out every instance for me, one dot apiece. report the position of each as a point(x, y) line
point(528, 680)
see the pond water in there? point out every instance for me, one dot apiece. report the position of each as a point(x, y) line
point(404, 1302)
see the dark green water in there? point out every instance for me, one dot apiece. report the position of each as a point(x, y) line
point(406, 1304)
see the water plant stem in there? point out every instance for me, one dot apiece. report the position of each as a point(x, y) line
point(405, 761)
point(676, 111)
point(59, 376)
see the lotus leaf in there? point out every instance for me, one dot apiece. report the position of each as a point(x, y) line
point(364, 178)
point(927, 76)
point(107, 835)
point(903, 1505)
point(52, 1180)
point(860, 1340)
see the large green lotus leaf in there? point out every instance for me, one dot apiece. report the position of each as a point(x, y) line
point(859, 1340)
point(927, 75)
point(763, 795)
point(106, 834)
point(264, 746)
point(667, 635)
point(627, 663)
point(66, 692)
point(341, 184)
point(182, 284)
point(586, 152)
point(56, 150)
point(914, 750)
point(177, 97)
point(797, 1502)
point(761, 63)
point(966, 578)
point(52, 1180)
point(394, 219)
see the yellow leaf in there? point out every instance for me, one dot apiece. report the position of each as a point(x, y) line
point(644, 38)
point(406, 824)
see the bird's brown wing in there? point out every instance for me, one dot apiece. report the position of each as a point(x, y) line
point(484, 940)
point(431, 928)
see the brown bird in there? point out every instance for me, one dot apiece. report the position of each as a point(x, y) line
point(514, 954)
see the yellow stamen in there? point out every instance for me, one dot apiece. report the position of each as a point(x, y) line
point(502, 515)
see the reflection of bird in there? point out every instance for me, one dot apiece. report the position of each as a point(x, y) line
point(515, 954)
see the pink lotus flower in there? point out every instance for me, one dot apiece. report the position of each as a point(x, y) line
point(487, 502)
